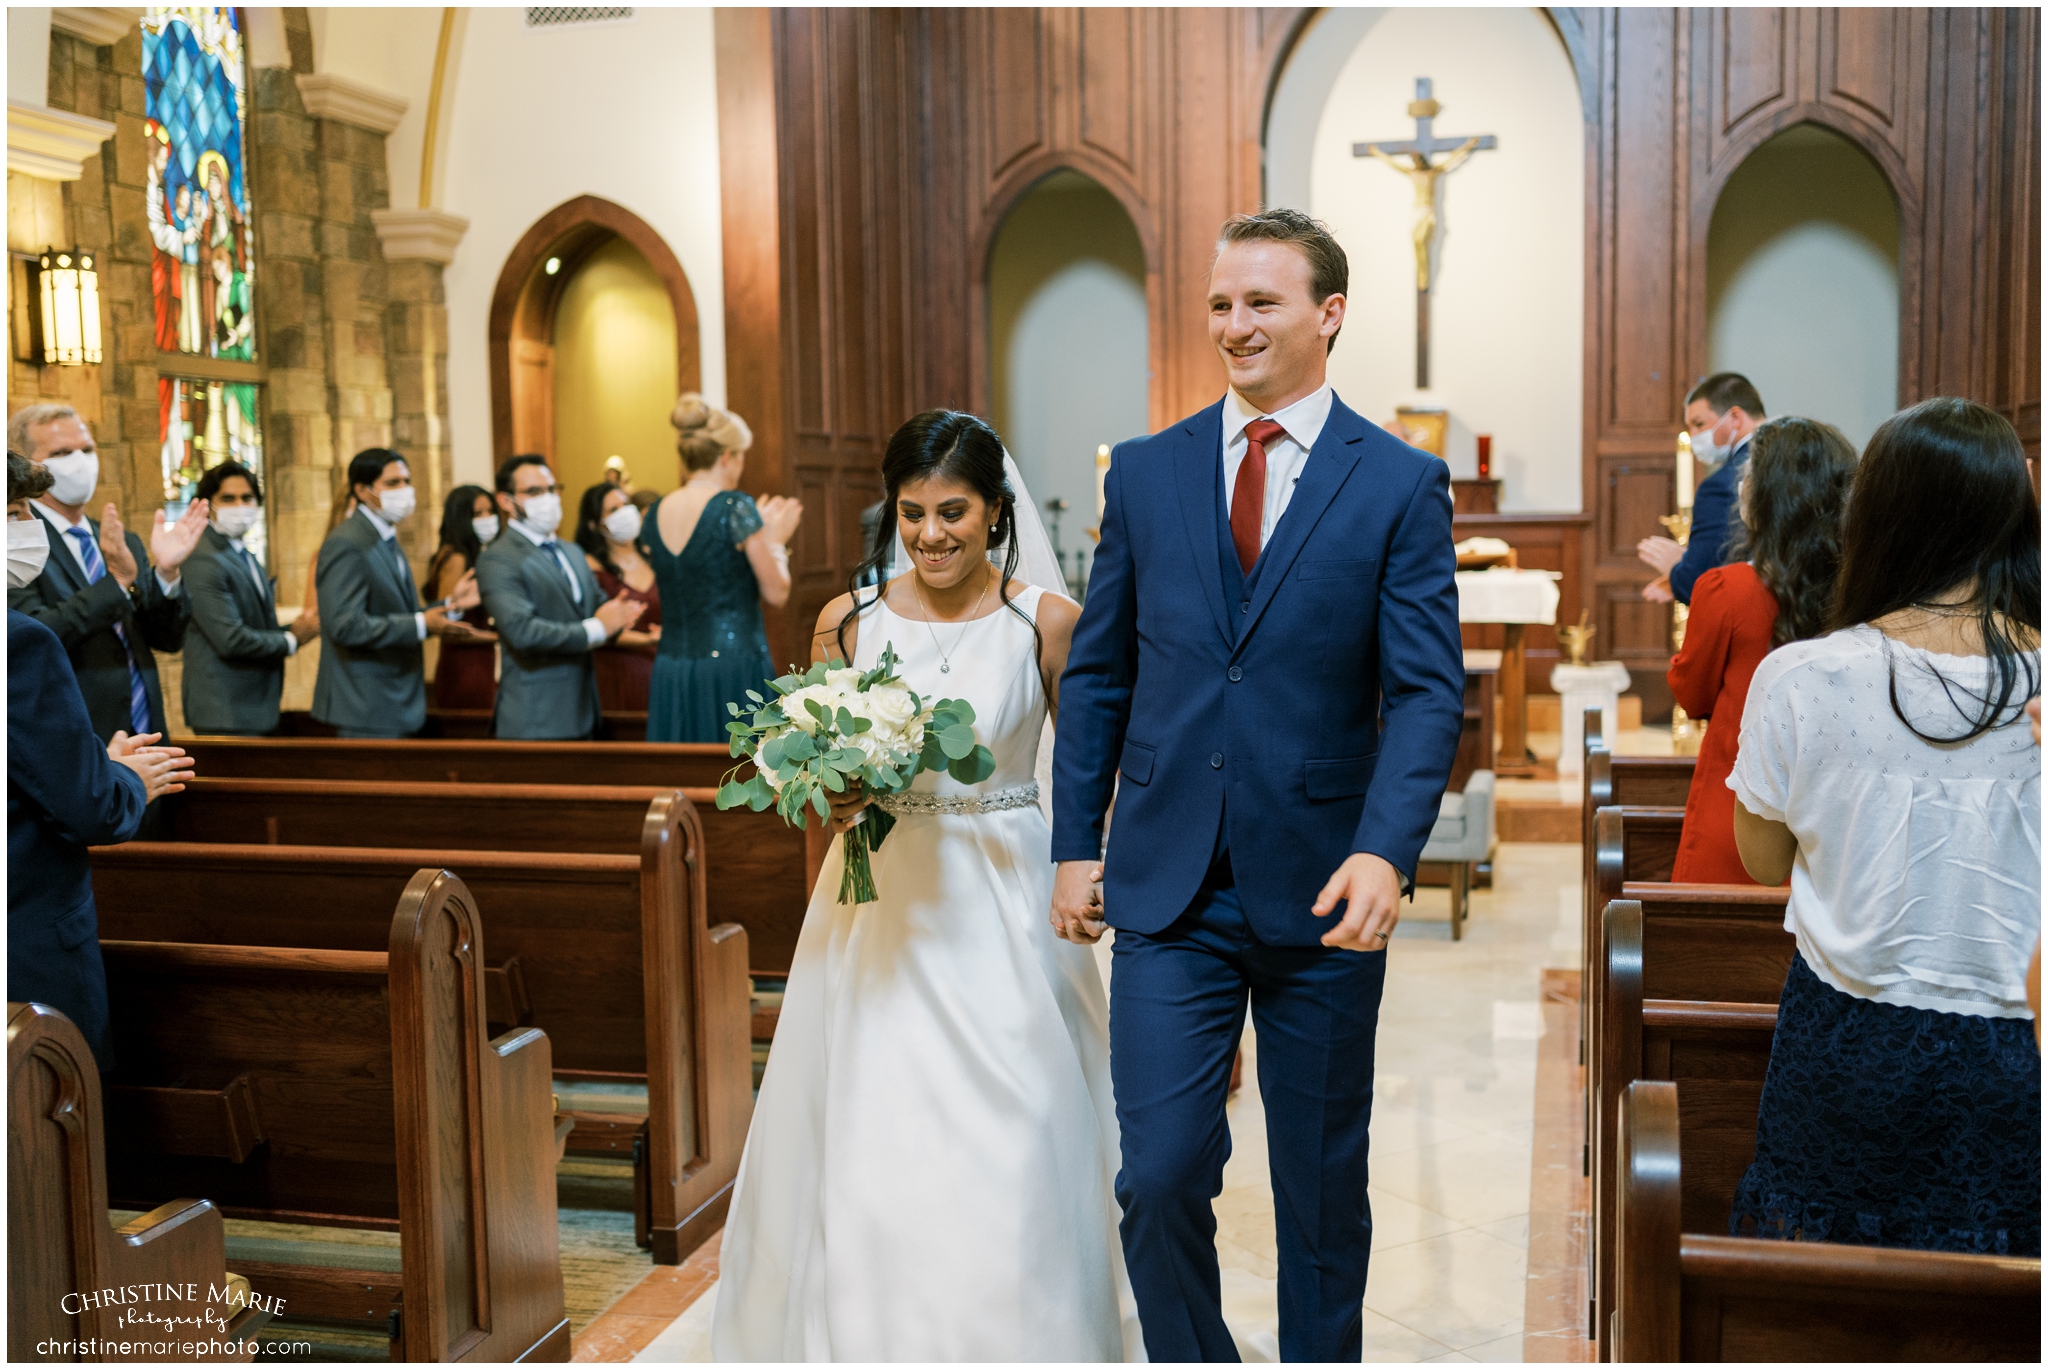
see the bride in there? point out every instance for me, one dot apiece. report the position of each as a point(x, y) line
point(929, 1172)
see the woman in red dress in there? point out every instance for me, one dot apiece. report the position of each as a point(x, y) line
point(1777, 591)
point(608, 531)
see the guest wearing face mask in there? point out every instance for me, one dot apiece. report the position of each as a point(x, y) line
point(467, 674)
point(98, 592)
point(550, 614)
point(1720, 414)
point(66, 792)
point(372, 680)
point(608, 530)
point(234, 662)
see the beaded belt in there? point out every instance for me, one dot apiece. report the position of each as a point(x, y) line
point(1016, 797)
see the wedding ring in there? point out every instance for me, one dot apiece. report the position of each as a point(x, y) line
point(1381, 935)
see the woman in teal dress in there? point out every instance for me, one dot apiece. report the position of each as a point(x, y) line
point(717, 555)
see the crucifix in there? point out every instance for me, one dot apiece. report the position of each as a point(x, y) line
point(1425, 175)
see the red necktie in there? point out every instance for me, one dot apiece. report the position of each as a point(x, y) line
point(1248, 500)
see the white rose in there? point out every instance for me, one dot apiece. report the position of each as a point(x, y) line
point(793, 705)
point(891, 708)
point(844, 680)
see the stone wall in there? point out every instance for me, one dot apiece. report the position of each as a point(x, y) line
point(354, 347)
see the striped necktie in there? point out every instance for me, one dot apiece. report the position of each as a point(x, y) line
point(138, 689)
point(554, 549)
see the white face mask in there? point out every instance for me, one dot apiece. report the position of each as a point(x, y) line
point(77, 473)
point(543, 512)
point(1707, 450)
point(486, 527)
point(28, 548)
point(235, 520)
point(622, 524)
point(396, 505)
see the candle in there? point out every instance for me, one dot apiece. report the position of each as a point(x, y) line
point(1684, 472)
point(1101, 477)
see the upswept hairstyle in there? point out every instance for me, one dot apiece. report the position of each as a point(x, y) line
point(953, 446)
point(217, 476)
point(1942, 501)
point(704, 432)
point(1329, 270)
point(1726, 390)
point(590, 525)
point(1799, 474)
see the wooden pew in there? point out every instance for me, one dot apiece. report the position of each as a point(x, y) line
point(1638, 842)
point(753, 864)
point(613, 726)
point(61, 1244)
point(484, 761)
point(1690, 995)
point(610, 954)
point(1688, 1295)
point(353, 1089)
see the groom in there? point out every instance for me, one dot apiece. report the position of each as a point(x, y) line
point(1270, 658)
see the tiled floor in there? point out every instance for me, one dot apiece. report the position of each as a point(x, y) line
point(1452, 1138)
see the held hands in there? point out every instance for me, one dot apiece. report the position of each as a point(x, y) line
point(163, 770)
point(779, 517)
point(305, 627)
point(1077, 902)
point(465, 595)
point(114, 547)
point(171, 543)
point(619, 614)
point(1373, 888)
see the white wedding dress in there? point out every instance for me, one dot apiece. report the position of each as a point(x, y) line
point(929, 1173)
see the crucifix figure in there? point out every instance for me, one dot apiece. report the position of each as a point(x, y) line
point(1425, 175)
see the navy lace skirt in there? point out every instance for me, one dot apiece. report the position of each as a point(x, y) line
point(1890, 1126)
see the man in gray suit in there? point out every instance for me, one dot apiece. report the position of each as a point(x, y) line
point(98, 592)
point(234, 660)
point(549, 613)
point(372, 680)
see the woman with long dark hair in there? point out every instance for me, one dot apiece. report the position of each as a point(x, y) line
point(930, 1171)
point(608, 528)
point(1775, 590)
point(1889, 770)
point(465, 677)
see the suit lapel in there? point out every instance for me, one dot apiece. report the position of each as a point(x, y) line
point(1197, 470)
point(1330, 463)
point(62, 567)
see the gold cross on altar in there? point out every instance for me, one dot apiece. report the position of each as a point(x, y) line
point(1425, 175)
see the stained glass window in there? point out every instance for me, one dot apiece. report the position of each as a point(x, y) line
point(195, 103)
point(205, 423)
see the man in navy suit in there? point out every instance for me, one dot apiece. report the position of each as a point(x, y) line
point(1720, 413)
point(66, 791)
point(1269, 657)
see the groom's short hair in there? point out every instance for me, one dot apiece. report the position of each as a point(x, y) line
point(1329, 270)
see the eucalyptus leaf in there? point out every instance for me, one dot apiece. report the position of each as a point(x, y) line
point(833, 781)
point(957, 741)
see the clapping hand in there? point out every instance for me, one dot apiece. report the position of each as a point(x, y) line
point(171, 543)
point(1659, 554)
point(779, 517)
point(114, 547)
point(620, 613)
point(163, 770)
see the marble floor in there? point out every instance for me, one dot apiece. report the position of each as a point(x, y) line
point(1452, 1134)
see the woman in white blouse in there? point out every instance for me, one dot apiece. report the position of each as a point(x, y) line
point(1889, 770)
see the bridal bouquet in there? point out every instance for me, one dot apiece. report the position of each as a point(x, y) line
point(831, 725)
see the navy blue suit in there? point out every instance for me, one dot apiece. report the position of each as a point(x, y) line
point(1265, 727)
point(63, 796)
point(1713, 506)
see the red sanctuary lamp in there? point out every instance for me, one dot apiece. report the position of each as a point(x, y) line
point(1486, 456)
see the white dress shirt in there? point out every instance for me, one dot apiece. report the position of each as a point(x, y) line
point(593, 627)
point(388, 531)
point(291, 641)
point(61, 524)
point(1303, 420)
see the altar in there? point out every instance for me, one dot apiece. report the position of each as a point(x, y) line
point(1513, 598)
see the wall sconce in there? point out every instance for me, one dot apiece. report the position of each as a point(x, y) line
point(64, 321)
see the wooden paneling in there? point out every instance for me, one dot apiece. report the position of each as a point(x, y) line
point(1755, 53)
point(1863, 60)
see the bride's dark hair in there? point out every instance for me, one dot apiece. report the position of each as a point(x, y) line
point(949, 445)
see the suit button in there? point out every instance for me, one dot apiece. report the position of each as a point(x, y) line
point(1236, 674)
point(1217, 761)
point(1244, 606)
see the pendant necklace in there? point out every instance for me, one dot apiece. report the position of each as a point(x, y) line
point(945, 657)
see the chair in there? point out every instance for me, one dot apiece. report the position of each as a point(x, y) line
point(1462, 838)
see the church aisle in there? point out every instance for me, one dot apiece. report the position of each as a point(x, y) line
point(1453, 1131)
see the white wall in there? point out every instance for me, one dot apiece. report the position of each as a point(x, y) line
point(1508, 308)
point(1068, 341)
point(1803, 281)
point(28, 53)
point(531, 118)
